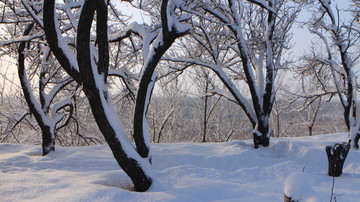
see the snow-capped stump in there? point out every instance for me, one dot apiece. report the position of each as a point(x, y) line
point(298, 188)
point(336, 156)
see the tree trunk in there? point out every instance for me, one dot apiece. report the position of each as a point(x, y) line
point(278, 123)
point(53, 38)
point(123, 151)
point(47, 129)
point(167, 38)
point(205, 119)
point(261, 134)
point(347, 117)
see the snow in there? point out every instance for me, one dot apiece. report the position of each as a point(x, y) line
point(115, 122)
point(147, 35)
point(231, 171)
point(298, 186)
point(21, 39)
point(145, 127)
point(172, 20)
point(64, 45)
point(27, 86)
point(32, 13)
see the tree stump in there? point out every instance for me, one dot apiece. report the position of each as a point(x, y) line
point(336, 156)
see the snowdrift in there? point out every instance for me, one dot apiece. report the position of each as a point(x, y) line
point(231, 171)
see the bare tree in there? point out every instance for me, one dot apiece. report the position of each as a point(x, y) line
point(243, 44)
point(280, 109)
point(166, 109)
point(91, 69)
point(53, 109)
point(47, 119)
point(339, 61)
point(204, 81)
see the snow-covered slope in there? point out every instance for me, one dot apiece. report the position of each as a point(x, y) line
point(231, 171)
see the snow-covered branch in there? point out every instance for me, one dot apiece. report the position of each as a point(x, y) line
point(22, 39)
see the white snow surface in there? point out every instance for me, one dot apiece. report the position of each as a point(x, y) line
point(231, 171)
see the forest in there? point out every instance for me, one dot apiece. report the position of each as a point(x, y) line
point(133, 73)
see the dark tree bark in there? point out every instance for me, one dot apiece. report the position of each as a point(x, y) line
point(52, 38)
point(95, 94)
point(261, 134)
point(263, 111)
point(166, 40)
point(336, 156)
point(84, 69)
point(48, 130)
point(205, 118)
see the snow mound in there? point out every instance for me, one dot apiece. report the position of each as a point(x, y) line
point(298, 186)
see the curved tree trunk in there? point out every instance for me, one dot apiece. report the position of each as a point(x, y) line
point(47, 127)
point(56, 42)
point(84, 69)
point(161, 44)
point(94, 77)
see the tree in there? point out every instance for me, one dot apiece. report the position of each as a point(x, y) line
point(243, 44)
point(91, 69)
point(166, 108)
point(54, 108)
point(205, 84)
point(340, 60)
point(48, 120)
point(281, 108)
point(93, 75)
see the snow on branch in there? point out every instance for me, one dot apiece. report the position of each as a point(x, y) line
point(55, 115)
point(241, 100)
point(32, 13)
point(173, 21)
point(57, 42)
point(263, 5)
point(22, 39)
point(326, 5)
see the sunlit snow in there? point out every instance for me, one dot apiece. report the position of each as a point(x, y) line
point(231, 171)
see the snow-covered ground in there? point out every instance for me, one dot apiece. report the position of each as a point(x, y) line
point(231, 171)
